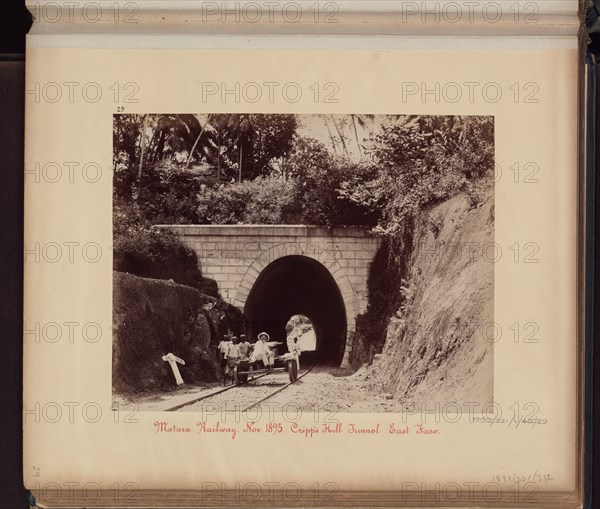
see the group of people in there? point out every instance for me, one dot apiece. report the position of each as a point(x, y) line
point(234, 350)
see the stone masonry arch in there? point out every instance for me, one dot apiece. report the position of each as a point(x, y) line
point(235, 256)
point(324, 257)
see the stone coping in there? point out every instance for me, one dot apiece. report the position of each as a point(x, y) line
point(254, 230)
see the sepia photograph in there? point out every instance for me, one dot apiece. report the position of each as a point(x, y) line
point(364, 242)
point(315, 260)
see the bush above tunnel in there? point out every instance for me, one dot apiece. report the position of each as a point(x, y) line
point(157, 253)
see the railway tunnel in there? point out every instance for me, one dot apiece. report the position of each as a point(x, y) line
point(299, 285)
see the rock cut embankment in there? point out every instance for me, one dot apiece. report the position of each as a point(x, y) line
point(435, 348)
point(154, 317)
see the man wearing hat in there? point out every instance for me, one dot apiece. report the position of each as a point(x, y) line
point(262, 351)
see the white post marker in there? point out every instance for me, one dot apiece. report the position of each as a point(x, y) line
point(173, 360)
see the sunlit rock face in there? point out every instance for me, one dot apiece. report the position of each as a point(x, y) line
point(301, 328)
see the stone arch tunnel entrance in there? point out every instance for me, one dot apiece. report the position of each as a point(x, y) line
point(290, 269)
point(299, 285)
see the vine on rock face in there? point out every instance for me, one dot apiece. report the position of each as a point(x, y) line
point(389, 267)
point(419, 163)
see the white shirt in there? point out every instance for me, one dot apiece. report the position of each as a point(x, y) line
point(260, 349)
point(223, 346)
point(233, 351)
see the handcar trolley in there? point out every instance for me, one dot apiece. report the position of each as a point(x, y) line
point(289, 361)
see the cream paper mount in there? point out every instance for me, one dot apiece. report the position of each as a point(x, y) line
point(472, 395)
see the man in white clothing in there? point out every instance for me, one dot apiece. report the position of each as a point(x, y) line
point(262, 351)
point(232, 358)
point(223, 346)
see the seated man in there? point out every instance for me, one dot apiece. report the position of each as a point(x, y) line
point(262, 351)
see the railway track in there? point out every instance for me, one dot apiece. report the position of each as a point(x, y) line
point(277, 391)
point(259, 392)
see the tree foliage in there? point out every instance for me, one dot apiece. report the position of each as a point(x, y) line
point(144, 250)
point(421, 162)
point(257, 168)
point(264, 200)
point(235, 145)
point(320, 176)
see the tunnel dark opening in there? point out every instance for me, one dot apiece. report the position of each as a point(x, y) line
point(298, 285)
